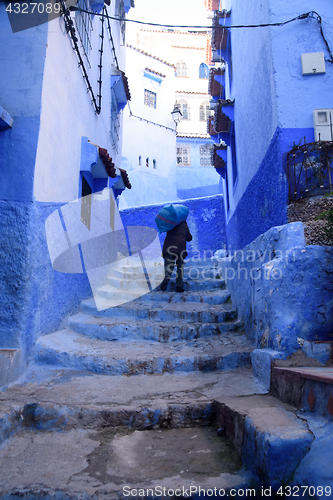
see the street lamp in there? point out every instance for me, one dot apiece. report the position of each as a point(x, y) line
point(176, 114)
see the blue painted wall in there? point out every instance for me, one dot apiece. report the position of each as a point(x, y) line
point(282, 289)
point(33, 298)
point(273, 107)
point(206, 223)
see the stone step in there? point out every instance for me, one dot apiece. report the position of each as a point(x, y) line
point(165, 311)
point(167, 330)
point(156, 296)
point(68, 348)
point(138, 431)
point(114, 287)
point(131, 273)
point(270, 438)
point(309, 388)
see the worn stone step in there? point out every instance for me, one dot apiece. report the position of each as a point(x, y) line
point(69, 348)
point(114, 287)
point(118, 329)
point(156, 296)
point(122, 284)
point(270, 438)
point(309, 388)
point(100, 420)
point(132, 273)
point(165, 311)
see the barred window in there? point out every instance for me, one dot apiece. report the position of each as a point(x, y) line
point(115, 123)
point(184, 156)
point(181, 69)
point(150, 99)
point(84, 25)
point(206, 156)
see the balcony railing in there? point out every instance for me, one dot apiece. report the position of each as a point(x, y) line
point(309, 169)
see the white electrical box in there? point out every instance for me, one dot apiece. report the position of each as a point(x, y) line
point(313, 63)
point(322, 121)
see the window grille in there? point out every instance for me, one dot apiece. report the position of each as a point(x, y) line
point(203, 116)
point(181, 69)
point(150, 99)
point(206, 156)
point(203, 71)
point(84, 25)
point(184, 156)
point(115, 124)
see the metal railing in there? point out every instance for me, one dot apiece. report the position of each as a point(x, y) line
point(309, 169)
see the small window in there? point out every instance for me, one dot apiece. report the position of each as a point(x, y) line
point(185, 110)
point(150, 99)
point(147, 162)
point(181, 69)
point(154, 163)
point(140, 161)
point(203, 116)
point(205, 156)
point(184, 156)
point(203, 71)
point(115, 123)
point(85, 202)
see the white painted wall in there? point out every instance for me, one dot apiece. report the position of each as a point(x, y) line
point(149, 133)
point(67, 113)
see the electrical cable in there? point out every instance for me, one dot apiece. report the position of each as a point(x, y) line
point(311, 13)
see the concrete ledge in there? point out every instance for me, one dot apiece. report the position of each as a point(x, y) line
point(262, 365)
point(267, 435)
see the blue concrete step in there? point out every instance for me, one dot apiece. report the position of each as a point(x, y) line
point(165, 311)
point(70, 349)
point(156, 296)
point(114, 287)
point(117, 329)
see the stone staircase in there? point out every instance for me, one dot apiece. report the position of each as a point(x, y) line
point(135, 363)
point(157, 332)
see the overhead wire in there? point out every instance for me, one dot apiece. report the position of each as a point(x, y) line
point(306, 15)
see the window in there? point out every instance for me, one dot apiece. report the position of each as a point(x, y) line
point(150, 99)
point(147, 162)
point(115, 124)
point(206, 155)
point(154, 163)
point(140, 161)
point(181, 69)
point(84, 25)
point(85, 202)
point(203, 116)
point(185, 110)
point(184, 156)
point(203, 71)
point(122, 24)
